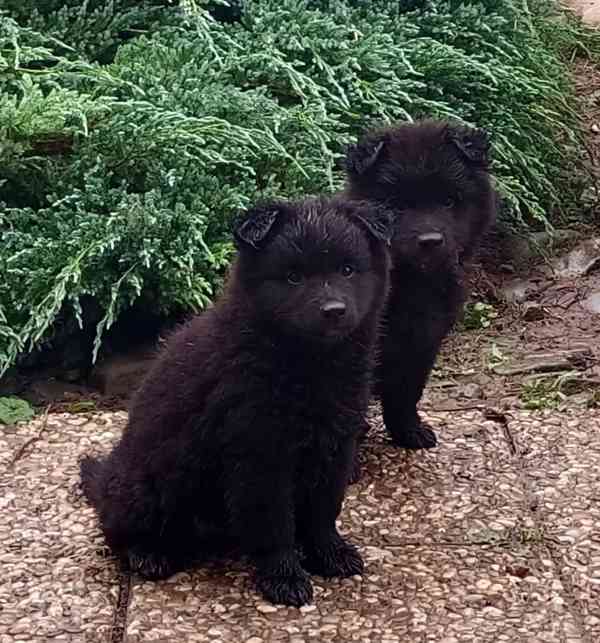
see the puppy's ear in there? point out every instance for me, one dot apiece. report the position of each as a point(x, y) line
point(474, 144)
point(253, 226)
point(377, 220)
point(365, 155)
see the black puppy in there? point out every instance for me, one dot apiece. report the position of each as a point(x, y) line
point(434, 177)
point(248, 420)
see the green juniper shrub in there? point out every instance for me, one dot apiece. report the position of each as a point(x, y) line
point(131, 131)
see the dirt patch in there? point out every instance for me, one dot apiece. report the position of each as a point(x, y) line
point(551, 358)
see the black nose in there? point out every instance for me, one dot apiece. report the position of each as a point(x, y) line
point(333, 309)
point(430, 240)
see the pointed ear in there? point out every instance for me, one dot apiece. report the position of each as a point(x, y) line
point(365, 155)
point(377, 220)
point(474, 144)
point(253, 226)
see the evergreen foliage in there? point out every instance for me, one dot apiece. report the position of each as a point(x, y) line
point(131, 131)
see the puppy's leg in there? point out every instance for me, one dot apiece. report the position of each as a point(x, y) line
point(259, 503)
point(403, 378)
point(327, 553)
point(153, 547)
point(168, 548)
point(137, 523)
point(355, 473)
point(149, 562)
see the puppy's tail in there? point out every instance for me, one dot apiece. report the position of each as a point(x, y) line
point(91, 470)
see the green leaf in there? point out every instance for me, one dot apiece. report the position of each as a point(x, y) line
point(14, 409)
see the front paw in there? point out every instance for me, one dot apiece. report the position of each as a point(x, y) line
point(293, 589)
point(418, 436)
point(334, 558)
point(150, 565)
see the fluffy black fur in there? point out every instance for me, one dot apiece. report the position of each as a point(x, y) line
point(434, 177)
point(248, 420)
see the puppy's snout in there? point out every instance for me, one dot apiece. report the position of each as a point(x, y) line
point(430, 240)
point(333, 309)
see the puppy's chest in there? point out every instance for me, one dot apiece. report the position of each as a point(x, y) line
point(316, 411)
point(423, 308)
point(315, 396)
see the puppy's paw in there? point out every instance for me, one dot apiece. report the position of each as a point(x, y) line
point(419, 436)
point(150, 565)
point(335, 558)
point(293, 589)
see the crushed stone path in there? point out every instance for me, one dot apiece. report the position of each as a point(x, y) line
point(492, 536)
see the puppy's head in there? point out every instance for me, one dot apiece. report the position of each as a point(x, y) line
point(315, 268)
point(434, 176)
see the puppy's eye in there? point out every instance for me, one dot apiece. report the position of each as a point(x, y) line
point(450, 202)
point(294, 278)
point(347, 270)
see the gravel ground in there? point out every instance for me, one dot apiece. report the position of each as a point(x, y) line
point(55, 582)
point(493, 536)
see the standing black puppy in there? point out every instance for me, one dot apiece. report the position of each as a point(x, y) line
point(248, 419)
point(434, 177)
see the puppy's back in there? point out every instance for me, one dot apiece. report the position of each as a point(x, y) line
point(187, 368)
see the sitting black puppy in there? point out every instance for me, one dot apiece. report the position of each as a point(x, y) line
point(434, 177)
point(248, 420)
